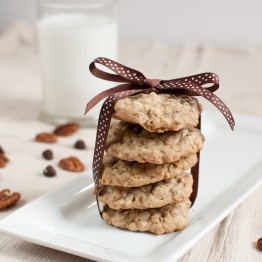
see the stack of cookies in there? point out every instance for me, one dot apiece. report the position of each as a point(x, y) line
point(143, 183)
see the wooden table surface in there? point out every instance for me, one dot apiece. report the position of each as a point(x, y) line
point(239, 68)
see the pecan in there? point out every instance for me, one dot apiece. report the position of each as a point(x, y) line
point(8, 199)
point(2, 152)
point(71, 164)
point(46, 138)
point(67, 129)
point(3, 160)
point(259, 244)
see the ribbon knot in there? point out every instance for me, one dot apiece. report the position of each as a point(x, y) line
point(152, 84)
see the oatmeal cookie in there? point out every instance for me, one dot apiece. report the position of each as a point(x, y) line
point(169, 191)
point(155, 220)
point(159, 112)
point(117, 172)
point(133, 143)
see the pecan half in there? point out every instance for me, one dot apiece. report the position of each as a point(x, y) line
point(72, 164)
point(67, 129)
point(3, 160)
point(2, 151)
point(46, 138)
point(8, 199)
point(259, 244)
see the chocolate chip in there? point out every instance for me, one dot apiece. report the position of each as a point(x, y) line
point(2, 152)
point(259, 243)
point(47, 154)
point(80, 144)
point(49, 171)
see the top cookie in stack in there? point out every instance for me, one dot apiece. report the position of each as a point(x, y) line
point(143, 183)
point(159, 113)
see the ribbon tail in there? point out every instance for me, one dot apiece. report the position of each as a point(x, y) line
point(216, 101)
point(102, 133)
point(221, 106)
point(95, 100)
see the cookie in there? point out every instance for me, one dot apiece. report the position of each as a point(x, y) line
point(117, 172)
point(133, 143)
point(155, 220)
point(170, 191)
point(159, 112)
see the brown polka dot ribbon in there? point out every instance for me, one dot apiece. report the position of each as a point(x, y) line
point(134, 82)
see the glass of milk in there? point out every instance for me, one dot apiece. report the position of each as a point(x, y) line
point(72, 33)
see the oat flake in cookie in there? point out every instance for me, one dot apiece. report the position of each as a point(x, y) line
point(155, 220)
point(159, 112)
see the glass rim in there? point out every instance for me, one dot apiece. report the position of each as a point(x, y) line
point(76, 4)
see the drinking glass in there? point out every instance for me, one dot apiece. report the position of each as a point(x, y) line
point(72, 33)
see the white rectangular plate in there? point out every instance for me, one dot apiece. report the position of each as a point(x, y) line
point(67, 219)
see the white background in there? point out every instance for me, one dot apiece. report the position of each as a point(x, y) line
point(220, 21)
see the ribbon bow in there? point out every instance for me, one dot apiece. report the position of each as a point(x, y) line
point(134, 83)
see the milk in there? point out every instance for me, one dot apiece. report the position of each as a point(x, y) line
point(68, 43)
